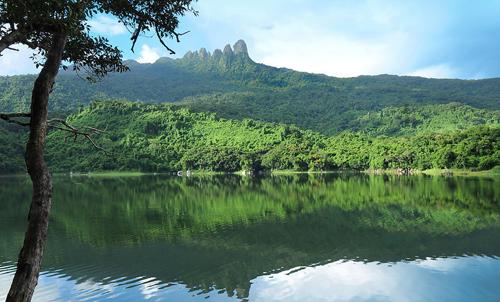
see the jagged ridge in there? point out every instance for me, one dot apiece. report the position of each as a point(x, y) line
point(239, 50)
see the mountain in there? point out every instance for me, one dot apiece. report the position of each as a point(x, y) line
point(229, 83)
point(221, 111)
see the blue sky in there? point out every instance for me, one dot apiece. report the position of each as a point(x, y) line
point(442, 39)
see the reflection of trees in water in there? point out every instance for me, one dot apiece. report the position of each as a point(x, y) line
point(224, 231)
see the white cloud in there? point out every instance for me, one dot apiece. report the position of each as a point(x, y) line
point(440, 71)
point(338, 281)
point(335, 54)
point(342, 38)
point(17, 62)
point(358, 281)
point(150, 287)
point(335, 39)
point(107, 26)
point(148, 54)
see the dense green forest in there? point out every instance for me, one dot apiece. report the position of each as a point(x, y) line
point(167, 137)
point(12, 138)
point(224, 112)
point(390, 120)
point(409, 120)
point(230, 84)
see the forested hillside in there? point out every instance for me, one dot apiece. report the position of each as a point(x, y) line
point(159, 138)
point(12, 143)
point(413, 119)
point(230, 84)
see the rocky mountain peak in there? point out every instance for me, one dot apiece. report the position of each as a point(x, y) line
point(228, 54)
point(217, 54)
point(203, 53)
point(228, 51)
point(240, 47)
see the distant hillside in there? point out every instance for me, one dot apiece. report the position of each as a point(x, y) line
point(412, 119)
point(382, 120)
point(229, 83)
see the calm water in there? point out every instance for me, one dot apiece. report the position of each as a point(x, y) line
point(301, 238)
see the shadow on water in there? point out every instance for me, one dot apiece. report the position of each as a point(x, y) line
point(221, 232)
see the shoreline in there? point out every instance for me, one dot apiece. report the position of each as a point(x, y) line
point(435, 172)
point(397, 172)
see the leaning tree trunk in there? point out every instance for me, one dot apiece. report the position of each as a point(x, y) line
point(30, 257)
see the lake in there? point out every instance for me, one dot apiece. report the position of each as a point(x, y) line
point(331, 237)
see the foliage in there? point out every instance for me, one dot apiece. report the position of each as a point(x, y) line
point(167, 137)
point(409, 120)
point(11, 148)
point(35, 23)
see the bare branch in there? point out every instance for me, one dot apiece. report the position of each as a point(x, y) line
point(135, 35)
point(177, 35)
point(74, 132)
point(61, 121)
point(11, 118)
point(163, 43)
point(15, 114)
point(95, 129)
point(95, 145)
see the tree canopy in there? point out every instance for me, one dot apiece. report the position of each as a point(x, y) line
point(34, 22)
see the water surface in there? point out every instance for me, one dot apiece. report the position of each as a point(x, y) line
point(333, 237)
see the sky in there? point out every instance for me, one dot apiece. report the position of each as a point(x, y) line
point(439, 38)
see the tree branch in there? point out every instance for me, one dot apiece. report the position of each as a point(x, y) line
point(11, 38)
point(74, 132)
point(11, 118)
point(163, 43)
point(177, 35)
point(135, 35)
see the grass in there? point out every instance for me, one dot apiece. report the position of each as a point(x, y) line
point(111, 174)
point(463, 172)
point(440, 172)
point(138, 173)
point(207, 172)
point(289, 172)
point(390, 172)
point(434, 172)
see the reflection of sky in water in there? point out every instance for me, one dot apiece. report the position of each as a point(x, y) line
point(443, 279)
point(55, 287)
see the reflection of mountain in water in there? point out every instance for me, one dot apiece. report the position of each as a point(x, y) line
point(222, 232)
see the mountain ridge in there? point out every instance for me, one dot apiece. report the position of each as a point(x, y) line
point(229, 83)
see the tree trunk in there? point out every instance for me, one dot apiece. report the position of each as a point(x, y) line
point(30, 257)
